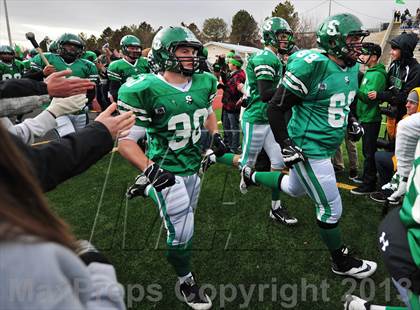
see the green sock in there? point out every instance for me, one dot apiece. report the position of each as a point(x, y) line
point(226, 159)
point(180, 257)
point(391, 308)
point(331, 238)
point(275, 194)
point(269, 179)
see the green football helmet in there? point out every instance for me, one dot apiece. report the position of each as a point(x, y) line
point(70, 47)
point(165, 43)
point(32, 53)
point(7, 54)
point(53, 48)
point(276, 32)
point(133, 41)
point(89, 55)
point(333, 33)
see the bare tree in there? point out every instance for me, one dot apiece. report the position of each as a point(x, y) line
point(305, 35)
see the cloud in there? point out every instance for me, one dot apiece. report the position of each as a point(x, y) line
point(40, 31)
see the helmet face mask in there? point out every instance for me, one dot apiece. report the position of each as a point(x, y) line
point(285, 41)
point(134, 52)
point(70, 47)
point(7, 54)
point(354, 47)
point(277, 33)
point(187, 58)
point(342, 36)
point(176, 49)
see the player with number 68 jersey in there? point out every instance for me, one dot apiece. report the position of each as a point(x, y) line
point(319, 124)
point(319, 86)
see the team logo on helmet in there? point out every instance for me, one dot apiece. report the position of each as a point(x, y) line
point(157, 44)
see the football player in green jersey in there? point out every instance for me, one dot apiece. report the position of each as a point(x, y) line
point(10, 68)
point(131, 64)
point(171, 108)
point(70, 48)
point(264, 71)
point(319, 85)
point(399, 232)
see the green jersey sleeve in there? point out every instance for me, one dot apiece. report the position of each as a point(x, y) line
point(26, 65)
point(301, 68)
point(132, 97)
point(114, 72)
point(265, 66)
point(20, 66)
point(213, 88)
point(91, 71)
point(37, 64)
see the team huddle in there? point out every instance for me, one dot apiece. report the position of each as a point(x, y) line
point(172, 98)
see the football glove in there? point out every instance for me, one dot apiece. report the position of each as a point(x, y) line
point(218, 146)
point(355, 131)
point(398, 186)
point(138, 188)
point(208, 160)
point(244, 102)
point(159, 177)
point(291, 153)
point(355, 303)
point(69, 105)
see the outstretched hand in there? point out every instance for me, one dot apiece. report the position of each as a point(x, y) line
point(60, 86)
point(118, 126)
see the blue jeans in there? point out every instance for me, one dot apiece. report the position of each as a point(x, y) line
point(369, 150)
point(231, 130)
point(384, 166)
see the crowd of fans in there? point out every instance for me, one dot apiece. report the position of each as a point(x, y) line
point(406, 19)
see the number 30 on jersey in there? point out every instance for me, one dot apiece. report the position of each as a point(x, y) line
point(189, 130)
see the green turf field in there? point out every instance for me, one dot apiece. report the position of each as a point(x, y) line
point(245, 259)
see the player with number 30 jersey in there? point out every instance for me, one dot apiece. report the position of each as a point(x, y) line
point(171, 108)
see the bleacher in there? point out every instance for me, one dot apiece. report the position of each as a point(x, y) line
point(394, 29)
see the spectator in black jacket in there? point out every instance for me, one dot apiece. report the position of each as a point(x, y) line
point(58, 161)
point(403, 75)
